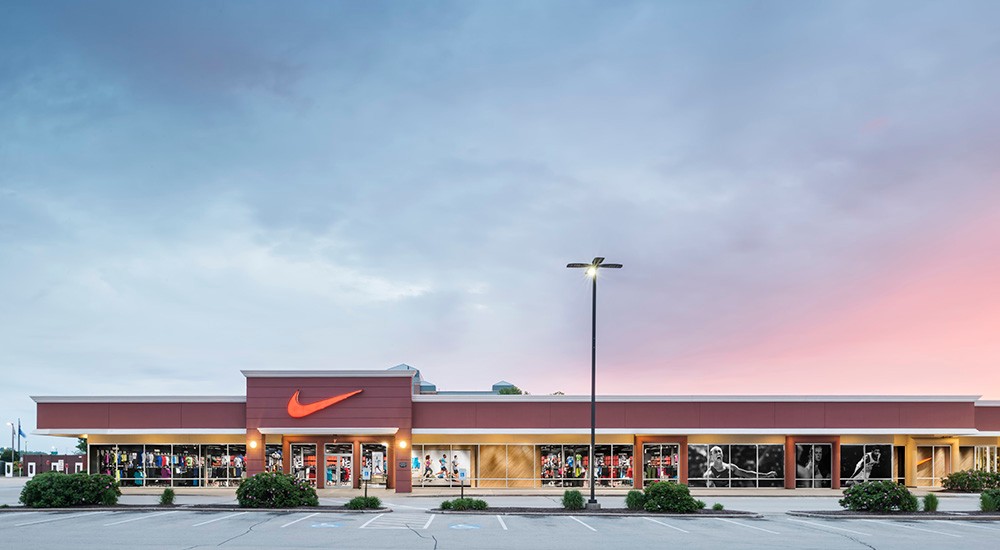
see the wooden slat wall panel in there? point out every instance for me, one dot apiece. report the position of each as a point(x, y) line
point(492, 464)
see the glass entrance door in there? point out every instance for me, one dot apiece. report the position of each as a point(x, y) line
point(813, 465)
point(339, 465)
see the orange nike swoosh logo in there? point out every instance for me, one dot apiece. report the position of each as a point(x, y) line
point(298, 410)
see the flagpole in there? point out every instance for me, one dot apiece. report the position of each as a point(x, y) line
point(20, 462)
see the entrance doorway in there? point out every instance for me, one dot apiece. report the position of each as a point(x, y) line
point(339, 464)
point(813, 465)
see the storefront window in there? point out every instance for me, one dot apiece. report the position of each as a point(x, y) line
point(860, 463)
point(551, 465)
point(933, 463)
point(442, 465)
point(123, 462)
point(660, 462)
point(304, 462)
point(216, 461)
point(272, 458)
point(237, 463)
point(157, 460)
point(986, 458)
point(737, 465)
point(187, 465)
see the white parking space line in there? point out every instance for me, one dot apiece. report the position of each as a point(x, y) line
point(141, 516)
point(428, 524)
point(901, 526)
point(58, 518)
point(825, 526)
point(502, 524)
point(371, 520)
point(748, 526)
point(582, 523)
point(218, 519)
point(300, 519)
point(666, 525)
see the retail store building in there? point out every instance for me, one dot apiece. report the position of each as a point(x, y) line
point(335, 428)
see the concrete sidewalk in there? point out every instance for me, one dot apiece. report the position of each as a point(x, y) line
point(765, 501)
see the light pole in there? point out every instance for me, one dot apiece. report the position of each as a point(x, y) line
point(592, 269)
point(12, 461)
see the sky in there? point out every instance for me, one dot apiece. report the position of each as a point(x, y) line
point(805, 195)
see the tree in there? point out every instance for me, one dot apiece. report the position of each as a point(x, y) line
point(81, 445)
point(511, 390)
point(5, 455)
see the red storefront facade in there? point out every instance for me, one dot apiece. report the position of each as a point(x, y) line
point(335, 428)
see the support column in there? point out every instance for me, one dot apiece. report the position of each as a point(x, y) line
point(356, 464)
point(256, 455)
point(682, 461)
point(402, 452)
point(910, 468)
point(638, 463)
point(320, 464)
point(956, 457)
point(789, 462)
point(835, 464)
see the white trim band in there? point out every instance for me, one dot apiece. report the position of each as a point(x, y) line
point(142, 431)
point(329, 431)
point(698, 431)
point(139, 399)
point(430, 398)
point(329, 373)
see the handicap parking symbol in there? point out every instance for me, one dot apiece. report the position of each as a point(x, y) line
point(463, 526)
point(325, 525)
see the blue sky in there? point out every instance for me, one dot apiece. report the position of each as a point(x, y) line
point(804, 195)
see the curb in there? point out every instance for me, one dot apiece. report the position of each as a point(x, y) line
point(615, 514)
point(944, 516)
point(197, 508)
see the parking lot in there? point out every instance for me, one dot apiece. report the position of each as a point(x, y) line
point(419, 529)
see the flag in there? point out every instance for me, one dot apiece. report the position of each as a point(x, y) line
point(20, 432)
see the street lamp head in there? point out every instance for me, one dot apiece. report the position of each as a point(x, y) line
point(591, 271)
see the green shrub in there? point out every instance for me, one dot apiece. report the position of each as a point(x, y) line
point(989, 501)
point(363, 503)
point(635, 500)
point(667, 496)
point(167, 498)
point(879, 496)
point(572, 500)
point(718, 507)
point(59, 490)
point(463, 504)
point(275, 490)
point(930, 502)
point(971, 481)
